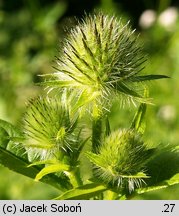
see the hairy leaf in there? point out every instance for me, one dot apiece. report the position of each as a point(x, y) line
point(19, 165)
point(172, 181)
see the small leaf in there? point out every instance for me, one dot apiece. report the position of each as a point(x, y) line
point(136, 176)
point(148, 189)
point(95, 159)
point(173, 180)
point(96, 134)
point(4, 137)
point(56, 83)
point(11, 129)
point(108, 129)
point(51, 169)
point(138, 121)
point(79, 149)
point(15, 136)
point(84, 192)
point(148, 78)
point(84, 98)
point(43, 162)
point(124, 89)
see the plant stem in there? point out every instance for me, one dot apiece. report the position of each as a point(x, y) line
point(74, 176)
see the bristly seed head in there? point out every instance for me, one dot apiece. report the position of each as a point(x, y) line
point(48, 129)
point(101, 58)
point(121, 160)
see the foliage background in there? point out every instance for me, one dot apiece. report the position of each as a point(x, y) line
point(30, 34)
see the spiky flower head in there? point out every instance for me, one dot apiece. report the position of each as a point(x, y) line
point(49, 129)
point(100, 58)
point(121, 160)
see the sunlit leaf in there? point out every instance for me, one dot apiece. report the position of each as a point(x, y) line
point(173, 180)
point(51, 169)
point(19, 165)
point(84, 192)
point(43, 162)
point(138, 122)
point(56, 83)
point(151, 188)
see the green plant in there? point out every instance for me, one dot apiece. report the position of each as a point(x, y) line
point(101, 60)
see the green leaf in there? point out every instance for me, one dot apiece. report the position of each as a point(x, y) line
point(51, 169)
point(163, 165)
point(108, 129)
point(84, 192)
point(43, 162)
point(163, 169)
point(148, 78)
point(96, 134)
point(19, 165)
point(138, 122)
point(15, 136)
point(56, 83)
point(79, 150)
point(95, 159)
point(4, 137)
point(126, 90)
point(172, 181)
point(11, 129)
point(148, 189)
point(85, 98)
point(15, 163)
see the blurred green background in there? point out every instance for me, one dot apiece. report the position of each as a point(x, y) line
point(30, 34)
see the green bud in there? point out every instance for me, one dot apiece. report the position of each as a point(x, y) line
point(121, 160)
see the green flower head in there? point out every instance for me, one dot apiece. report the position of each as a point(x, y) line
point(49, 130)
point(121, 160)
point(100, 58)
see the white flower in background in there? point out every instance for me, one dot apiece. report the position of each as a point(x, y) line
point(147, 19)
point(167, 113)
point(168, 17)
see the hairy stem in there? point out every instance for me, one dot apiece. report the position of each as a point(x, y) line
point(75, 178)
